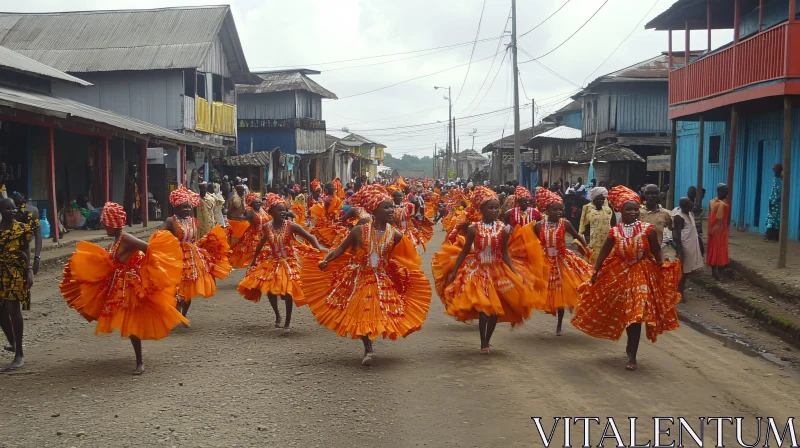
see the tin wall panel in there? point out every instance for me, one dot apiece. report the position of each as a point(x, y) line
point(278, 105)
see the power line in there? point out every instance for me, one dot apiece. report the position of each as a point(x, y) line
point(570, 36)
point(549, 69)
point(545, 20)
point(499, 68)
point(462, 44)
point(489, 72)
point(623, 41)
point(474, 44)
point(409, 80)
point(434, 122)
point(386, 62)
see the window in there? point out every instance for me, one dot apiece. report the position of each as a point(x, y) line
point(713, 149)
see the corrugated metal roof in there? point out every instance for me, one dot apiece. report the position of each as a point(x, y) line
point(281, 81)
point(525, 135)
point(143, 39)
point(653, 69)
point(608, 153)
point(260, 158)
point(357, 140)
point(14, 61)
point(64, 108)
point(469, 154)
point(561, 133)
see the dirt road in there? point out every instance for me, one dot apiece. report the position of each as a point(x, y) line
point(233, 380)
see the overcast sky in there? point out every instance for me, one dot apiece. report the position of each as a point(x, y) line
point(318, 33)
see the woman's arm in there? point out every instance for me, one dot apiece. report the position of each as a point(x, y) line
point(26, 253)
point(299, 230)
point(678, 223)
point(571, 230)
point(133, 244)
point(655, 247)
point(464, 252)
point(351, 240)
point(169, 225)
point(605, 251)
point(260, 246)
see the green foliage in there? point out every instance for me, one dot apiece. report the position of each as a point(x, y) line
point(409, 162)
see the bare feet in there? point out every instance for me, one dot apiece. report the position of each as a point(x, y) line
point(367, 361)
point(9, 348)
point(485, 351)
point(286, 330)
point(558, 331)
point(139, 369)
point(278, 323)
point(19, 361)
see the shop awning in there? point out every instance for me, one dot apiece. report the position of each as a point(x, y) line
point(260, 158)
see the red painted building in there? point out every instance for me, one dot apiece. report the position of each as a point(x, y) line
point(746, 88)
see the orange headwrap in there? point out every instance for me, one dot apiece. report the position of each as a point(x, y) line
point(181, 195)
point(545, 198)
point(113, 215)
point(620, 194)
point(250, 198)
point(272, 199)
point(480, 196)
point(392, 188)
point(370, 197)
point(521, 192)
point(315, 185)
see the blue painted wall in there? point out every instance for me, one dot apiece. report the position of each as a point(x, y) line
point(572, 119)
point(266, 140)
point(750, 190)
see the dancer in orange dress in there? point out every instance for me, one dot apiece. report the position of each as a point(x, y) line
point(631, 285)
point(371, 285)
point(523, 212)
point(275, 271)
point(204, 260)
point(565, 270)
point(483, 284)
point(324, 215)
point(402, 218)
point(129, 288)
point(242, 250)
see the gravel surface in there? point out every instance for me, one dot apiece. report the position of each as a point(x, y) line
point(232, 380)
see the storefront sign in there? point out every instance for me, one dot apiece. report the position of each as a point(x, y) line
point(658, 163)
point(285, 123)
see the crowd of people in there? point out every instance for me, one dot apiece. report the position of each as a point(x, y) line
point(351, 253)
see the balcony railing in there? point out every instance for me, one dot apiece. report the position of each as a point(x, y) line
point(202, 115)
point(223, 118)
point(760, 58)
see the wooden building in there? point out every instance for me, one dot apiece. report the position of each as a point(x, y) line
point(732, 108)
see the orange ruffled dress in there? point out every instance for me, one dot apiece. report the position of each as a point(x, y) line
point(484, 283)
point(277, 268)
point(564, 270)
point(631, 288)
point(137, 297)
point(378, 291)
point(203, 261)
point(242, 251)
point(328, 233)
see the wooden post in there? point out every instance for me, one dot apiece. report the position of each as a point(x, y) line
point(732, 150)
point(700, 160)
point(687, 43)
point(182, 166)
point(708, 23)
point(106, 169)
point(669, 49)
point(673, 163)
point(736, 20)
point(145, 204)
point(792, 11)
point(760, 15)
point(51, 188)
point(783, 233)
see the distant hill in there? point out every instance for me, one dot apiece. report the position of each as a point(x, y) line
point(409, 162)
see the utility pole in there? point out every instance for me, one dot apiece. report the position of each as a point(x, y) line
point(516, 86)
point(450, 133)
point(433, 173)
